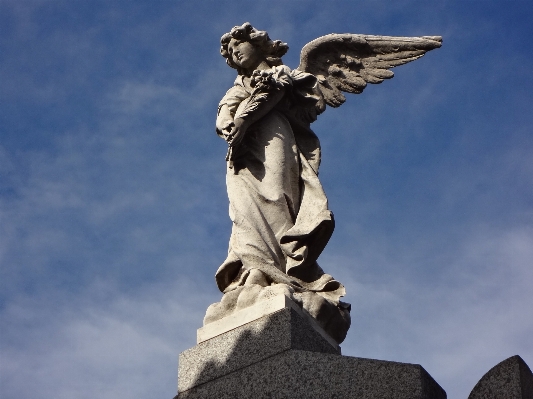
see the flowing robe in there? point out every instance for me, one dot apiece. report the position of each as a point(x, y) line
point(280, 215)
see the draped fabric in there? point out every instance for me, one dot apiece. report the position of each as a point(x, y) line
point(280, 215)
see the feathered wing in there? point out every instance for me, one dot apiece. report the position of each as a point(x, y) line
point(347, 62)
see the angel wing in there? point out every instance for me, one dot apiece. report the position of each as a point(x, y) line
point(347, 62)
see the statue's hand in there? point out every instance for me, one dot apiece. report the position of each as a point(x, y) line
point(225, 129)
point(237, 132)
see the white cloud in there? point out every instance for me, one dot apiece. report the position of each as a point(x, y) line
point(116, 346)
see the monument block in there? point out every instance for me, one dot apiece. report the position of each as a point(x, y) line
point(255, 343)
point(282, 355)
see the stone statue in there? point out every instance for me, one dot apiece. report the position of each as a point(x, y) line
point(280, 215)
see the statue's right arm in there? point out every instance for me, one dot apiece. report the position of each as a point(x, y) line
point(224, 122)
point(227, 108)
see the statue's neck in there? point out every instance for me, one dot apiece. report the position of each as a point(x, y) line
point(262, 66)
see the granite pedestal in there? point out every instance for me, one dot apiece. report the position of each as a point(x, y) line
point(283, 355)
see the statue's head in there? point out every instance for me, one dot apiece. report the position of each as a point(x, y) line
point(254, 46)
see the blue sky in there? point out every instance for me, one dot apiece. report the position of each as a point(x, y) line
point(113, 210)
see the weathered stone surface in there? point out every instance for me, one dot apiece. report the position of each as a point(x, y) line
point(248, 344)
point(299, 374)
point(509, 379)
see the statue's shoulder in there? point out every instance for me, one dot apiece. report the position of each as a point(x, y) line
point(236, 94)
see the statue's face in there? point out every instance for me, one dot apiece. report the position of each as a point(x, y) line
point(244, 54)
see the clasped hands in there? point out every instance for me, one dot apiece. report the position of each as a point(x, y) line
point(234, 130)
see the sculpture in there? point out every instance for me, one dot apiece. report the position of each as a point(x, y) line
point(280, 215)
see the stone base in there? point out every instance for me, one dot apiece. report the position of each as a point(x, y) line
point(281, 355)
point(310, 375)
point(249, 344)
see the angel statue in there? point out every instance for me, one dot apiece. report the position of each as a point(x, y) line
point(280, 215)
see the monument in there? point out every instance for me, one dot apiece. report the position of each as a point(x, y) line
point(276, 331)
point(280, 215)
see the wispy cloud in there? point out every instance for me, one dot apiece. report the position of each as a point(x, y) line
point(100, 343)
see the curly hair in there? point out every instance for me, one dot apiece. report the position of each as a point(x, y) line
point(273, 49)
